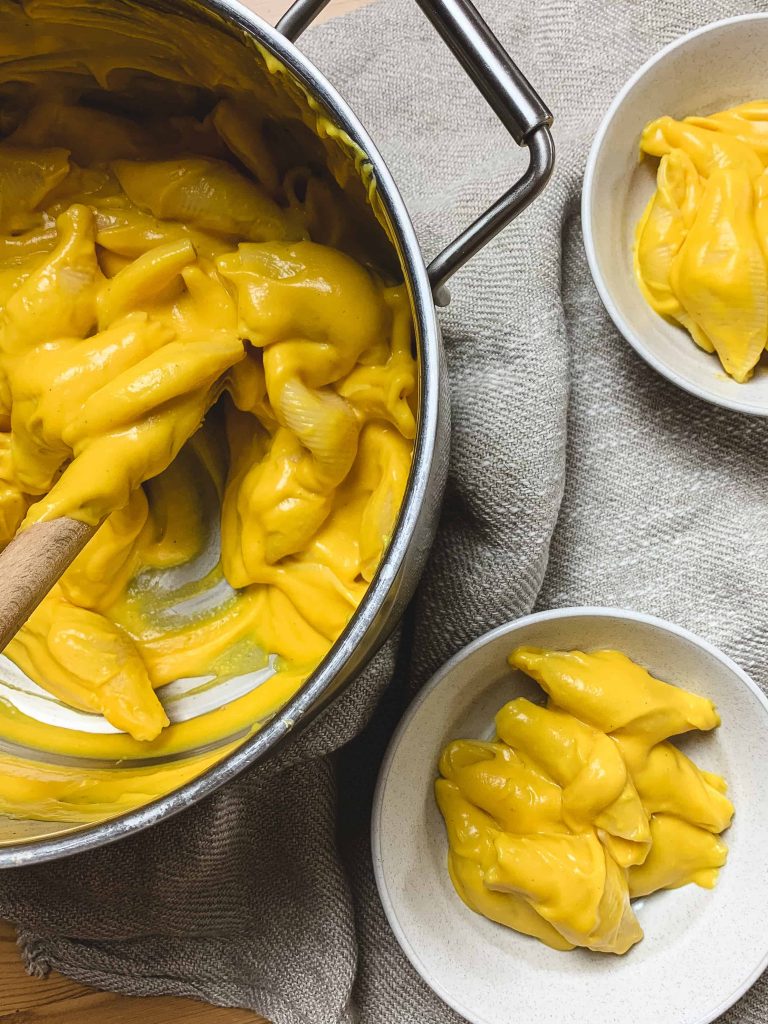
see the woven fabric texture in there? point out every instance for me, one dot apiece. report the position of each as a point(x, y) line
point(578, 476)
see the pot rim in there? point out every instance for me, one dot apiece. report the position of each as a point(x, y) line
point(313, 696)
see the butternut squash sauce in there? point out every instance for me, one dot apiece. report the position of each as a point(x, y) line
point(578, 807)
point(165, 316)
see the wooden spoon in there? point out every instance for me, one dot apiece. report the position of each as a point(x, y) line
point(30, 565)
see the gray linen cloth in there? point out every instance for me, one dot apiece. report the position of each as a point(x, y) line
point(578, 476)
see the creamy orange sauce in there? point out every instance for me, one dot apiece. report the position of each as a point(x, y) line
point(578, 807)
point(701, 249)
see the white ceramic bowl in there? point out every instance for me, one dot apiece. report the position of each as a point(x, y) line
point(702, 949)
point(717, 66)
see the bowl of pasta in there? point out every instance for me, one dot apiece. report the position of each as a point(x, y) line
point(220, 349)
point(480, 876)
point(672, 208)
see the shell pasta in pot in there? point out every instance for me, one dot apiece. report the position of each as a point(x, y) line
point(155, 276)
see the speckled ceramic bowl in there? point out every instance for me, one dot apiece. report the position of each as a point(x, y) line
point(717, 66)
point(701, 949)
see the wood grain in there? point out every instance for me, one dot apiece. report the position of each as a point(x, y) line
point(57, 1000)
point(31, 564)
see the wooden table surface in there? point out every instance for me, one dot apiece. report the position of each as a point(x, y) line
point(57, 1000)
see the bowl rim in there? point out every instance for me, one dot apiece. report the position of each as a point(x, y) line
point(750, 408)
point(434, 682)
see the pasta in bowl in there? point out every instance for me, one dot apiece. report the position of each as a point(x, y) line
point(144, 294)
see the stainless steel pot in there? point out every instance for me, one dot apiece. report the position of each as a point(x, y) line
point(527, 120)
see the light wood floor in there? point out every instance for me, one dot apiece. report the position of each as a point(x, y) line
point(57, 1000)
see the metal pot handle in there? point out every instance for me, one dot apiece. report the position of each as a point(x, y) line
point(509, 93)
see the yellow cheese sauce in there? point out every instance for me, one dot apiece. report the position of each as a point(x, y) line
point(581, 805)
point(701, 249)
point(233, 399)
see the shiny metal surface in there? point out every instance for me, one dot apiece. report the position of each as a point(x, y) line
point(299, 16)
point(505, 88)
point(509, 94)
point(519, 108)
point(506, 208)
point(28, 842)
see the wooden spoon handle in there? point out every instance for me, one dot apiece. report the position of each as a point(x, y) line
point(31, 564)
